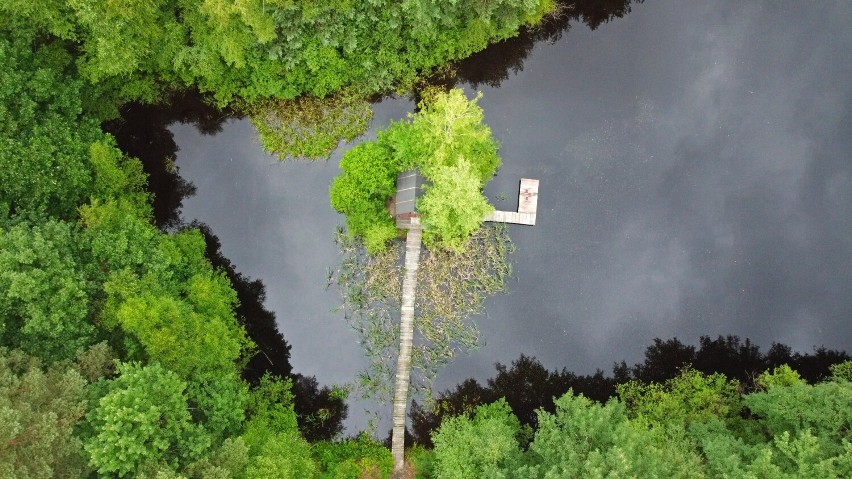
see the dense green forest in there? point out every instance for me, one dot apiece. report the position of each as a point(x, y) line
point(130, 347)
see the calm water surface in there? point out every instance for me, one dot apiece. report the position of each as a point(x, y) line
point(695, 161)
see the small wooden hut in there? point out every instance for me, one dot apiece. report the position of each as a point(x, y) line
point(409, 189)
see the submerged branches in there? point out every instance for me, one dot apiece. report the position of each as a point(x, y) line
point(452, 287)
point(370, 286)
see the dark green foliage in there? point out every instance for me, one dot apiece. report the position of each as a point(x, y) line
point(730, 356)
point(45, 290)
point(677, 429)
point(82, 263)
point(581, 439)
point(44, 135)
point(39, 408)
point(218, 402)
point(422, 460)
point(663, 360)
point(362, 190)
point(586, 439)
point(259, 49)
point(271, 403)
point(318, 48)
point(85, 275)
point(825, 410)
point(528, 386)
point(794, 430)
point(275, 447)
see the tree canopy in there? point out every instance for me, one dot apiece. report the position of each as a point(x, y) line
point(529, 387)
point(790, 429)
point(253, 49)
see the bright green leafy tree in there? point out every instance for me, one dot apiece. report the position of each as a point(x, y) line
point(586, 439)
point(453, 207)
point(842, 372)
point(485, 445)
point(794, 430)
point(690, 397)
point(275, 448)
point(580, 439)
point(163, 294)
point(144, 417)
point(449, 143)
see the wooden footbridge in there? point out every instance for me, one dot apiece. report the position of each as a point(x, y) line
point(409, 185)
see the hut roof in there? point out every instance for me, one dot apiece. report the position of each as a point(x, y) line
point(409, 188)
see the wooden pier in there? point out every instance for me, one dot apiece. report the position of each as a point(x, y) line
point(409, 188)
point(527, 206)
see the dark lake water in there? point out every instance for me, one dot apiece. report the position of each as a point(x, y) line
point(695, 161)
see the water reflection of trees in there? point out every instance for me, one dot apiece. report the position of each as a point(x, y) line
point(493, 65)
point(142, 132)
point(320, 412)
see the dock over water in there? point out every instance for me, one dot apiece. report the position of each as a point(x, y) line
point(527, 206)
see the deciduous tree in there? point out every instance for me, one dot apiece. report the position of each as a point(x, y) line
point(143, 418)
point(45, 291)
point(484, 445)
point(39, 408)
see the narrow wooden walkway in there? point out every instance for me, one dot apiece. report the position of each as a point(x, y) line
point(406, 341)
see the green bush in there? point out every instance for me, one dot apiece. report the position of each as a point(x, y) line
point(453, 206)
point(352, 459)
point(483, 446)
point(423, 460)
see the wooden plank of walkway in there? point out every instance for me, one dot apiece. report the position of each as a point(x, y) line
point(528, 196)
point(406, 342)
point(511, 217)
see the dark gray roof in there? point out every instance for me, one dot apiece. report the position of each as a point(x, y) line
point(409, 187)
